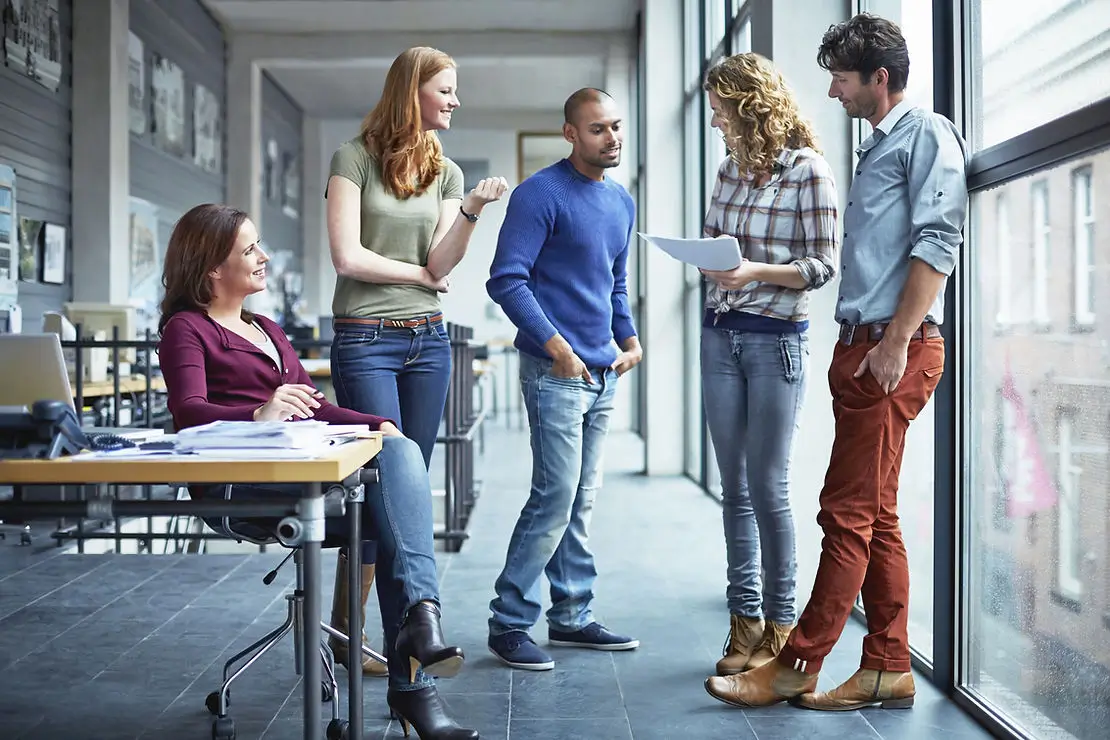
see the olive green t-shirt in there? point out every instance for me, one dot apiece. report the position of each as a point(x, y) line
point(401, 230)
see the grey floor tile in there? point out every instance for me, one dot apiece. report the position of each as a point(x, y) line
point(790, 723)
point(564, 729)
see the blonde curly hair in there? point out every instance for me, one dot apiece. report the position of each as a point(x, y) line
point(760, 112)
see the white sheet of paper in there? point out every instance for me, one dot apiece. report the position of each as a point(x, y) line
point(719, 253)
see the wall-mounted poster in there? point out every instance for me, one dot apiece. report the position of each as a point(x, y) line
point(136, 89)
point(206, 129)
point(9, 235)
point(167, 86)
point(291, 186)
point(30, 237)
point(33, 40)
point(54, 254)
point(146, 260)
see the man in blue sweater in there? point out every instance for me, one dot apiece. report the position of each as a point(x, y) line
point(560, 275)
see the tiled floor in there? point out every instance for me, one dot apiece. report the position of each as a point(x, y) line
point(100, 647)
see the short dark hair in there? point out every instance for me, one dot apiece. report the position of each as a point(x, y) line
point(579, 98)
point(865, 44)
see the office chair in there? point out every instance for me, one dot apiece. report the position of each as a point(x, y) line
point(283, 533)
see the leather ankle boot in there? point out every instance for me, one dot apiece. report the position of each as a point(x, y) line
point(744, 634)
point(769, 684)
point(866, 688)
point(420, 644)
point(370, 667)
point(424, 710)
point(774, 637)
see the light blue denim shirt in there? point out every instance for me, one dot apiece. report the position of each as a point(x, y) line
point(908, 200)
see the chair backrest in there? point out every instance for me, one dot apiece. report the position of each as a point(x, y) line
point(241, 530)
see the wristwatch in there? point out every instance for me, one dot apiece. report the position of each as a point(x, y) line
point(471, 217)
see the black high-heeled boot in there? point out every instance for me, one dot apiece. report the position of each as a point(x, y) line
point(420, 644)
point(425, 712)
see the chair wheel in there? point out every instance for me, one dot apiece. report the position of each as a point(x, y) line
point(212, 701)
point(337, 729)
point(223, 728)
point(325, 692)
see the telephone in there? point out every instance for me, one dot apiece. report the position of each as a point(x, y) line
point(48, 431)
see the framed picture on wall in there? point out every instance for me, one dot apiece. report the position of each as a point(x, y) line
point(167, 85)
point(33, 40)
point(206, 130)
point(54, 254)
point(30, 237)
point(474, 171)
point(9, 234)
point(136, 80)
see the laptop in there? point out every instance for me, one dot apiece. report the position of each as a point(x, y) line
point(32, 368)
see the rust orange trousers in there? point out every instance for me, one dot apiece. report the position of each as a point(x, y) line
point(862, 551)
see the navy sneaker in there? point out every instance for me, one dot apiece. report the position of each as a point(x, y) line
point(516, 649)
point(592, 636)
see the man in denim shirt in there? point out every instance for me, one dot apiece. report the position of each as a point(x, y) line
point(902, 233)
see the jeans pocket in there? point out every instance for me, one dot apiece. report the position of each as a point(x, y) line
point(352, 339)
point(793, 357)
point(439, 331)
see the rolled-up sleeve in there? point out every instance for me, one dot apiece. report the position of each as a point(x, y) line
point(937, 179)
point(817, 212)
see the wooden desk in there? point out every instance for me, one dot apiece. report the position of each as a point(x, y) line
point(334, 467)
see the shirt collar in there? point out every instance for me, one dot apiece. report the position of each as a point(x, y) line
point(890, 120)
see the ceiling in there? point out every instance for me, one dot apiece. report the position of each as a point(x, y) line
point(514, 56)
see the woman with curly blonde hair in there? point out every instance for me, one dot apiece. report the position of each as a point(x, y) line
point(775, 193)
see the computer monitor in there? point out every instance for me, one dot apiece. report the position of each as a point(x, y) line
point(102, 317)
point(48, 382)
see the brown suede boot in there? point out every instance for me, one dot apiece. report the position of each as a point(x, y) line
point(769, 684)
point(370, 667)
point(743, 636)
point(774, 637)
point(866, 688)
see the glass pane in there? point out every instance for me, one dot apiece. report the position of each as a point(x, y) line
point(694, 218)
point(1035, 64)
point(714, 24)
point(742, 37)
point(1038, 642)
point(692, 53)
point(915, 18)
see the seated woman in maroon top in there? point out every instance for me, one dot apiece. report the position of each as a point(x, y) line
point(221, 362)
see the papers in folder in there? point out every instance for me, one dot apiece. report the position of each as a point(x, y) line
point(265, 439)
point(719, 253)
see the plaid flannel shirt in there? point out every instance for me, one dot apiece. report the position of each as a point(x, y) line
point(789, 220)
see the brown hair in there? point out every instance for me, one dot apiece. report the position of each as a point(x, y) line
point(201, 240)
point(760, 112)
point(864, 44)
point(409, 157)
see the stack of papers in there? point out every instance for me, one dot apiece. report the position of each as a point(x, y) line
point(265, 439)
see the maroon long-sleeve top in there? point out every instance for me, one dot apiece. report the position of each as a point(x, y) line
point(213, 374)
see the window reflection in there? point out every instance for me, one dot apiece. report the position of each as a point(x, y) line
point(1039, 638)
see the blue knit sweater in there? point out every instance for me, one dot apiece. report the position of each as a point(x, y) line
point(561, 263)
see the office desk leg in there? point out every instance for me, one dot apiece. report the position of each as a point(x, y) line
point(312, 519)
point(354, 622)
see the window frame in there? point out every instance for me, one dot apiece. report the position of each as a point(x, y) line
point(1083, 249)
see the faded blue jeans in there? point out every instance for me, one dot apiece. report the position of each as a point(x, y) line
point(402, 374)
point(753, 385)
point(398, 515)
point(568, 421)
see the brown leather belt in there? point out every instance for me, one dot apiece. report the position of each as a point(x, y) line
point(434, 318)
point(853, 333)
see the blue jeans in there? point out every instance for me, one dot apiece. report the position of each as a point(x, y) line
point(568, 422)
point(398, 515)
point(755, 383)
point(402, 374)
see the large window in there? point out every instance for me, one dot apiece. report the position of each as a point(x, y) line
point(1003, 260)
point(1038, 642)
point(1033, 62)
